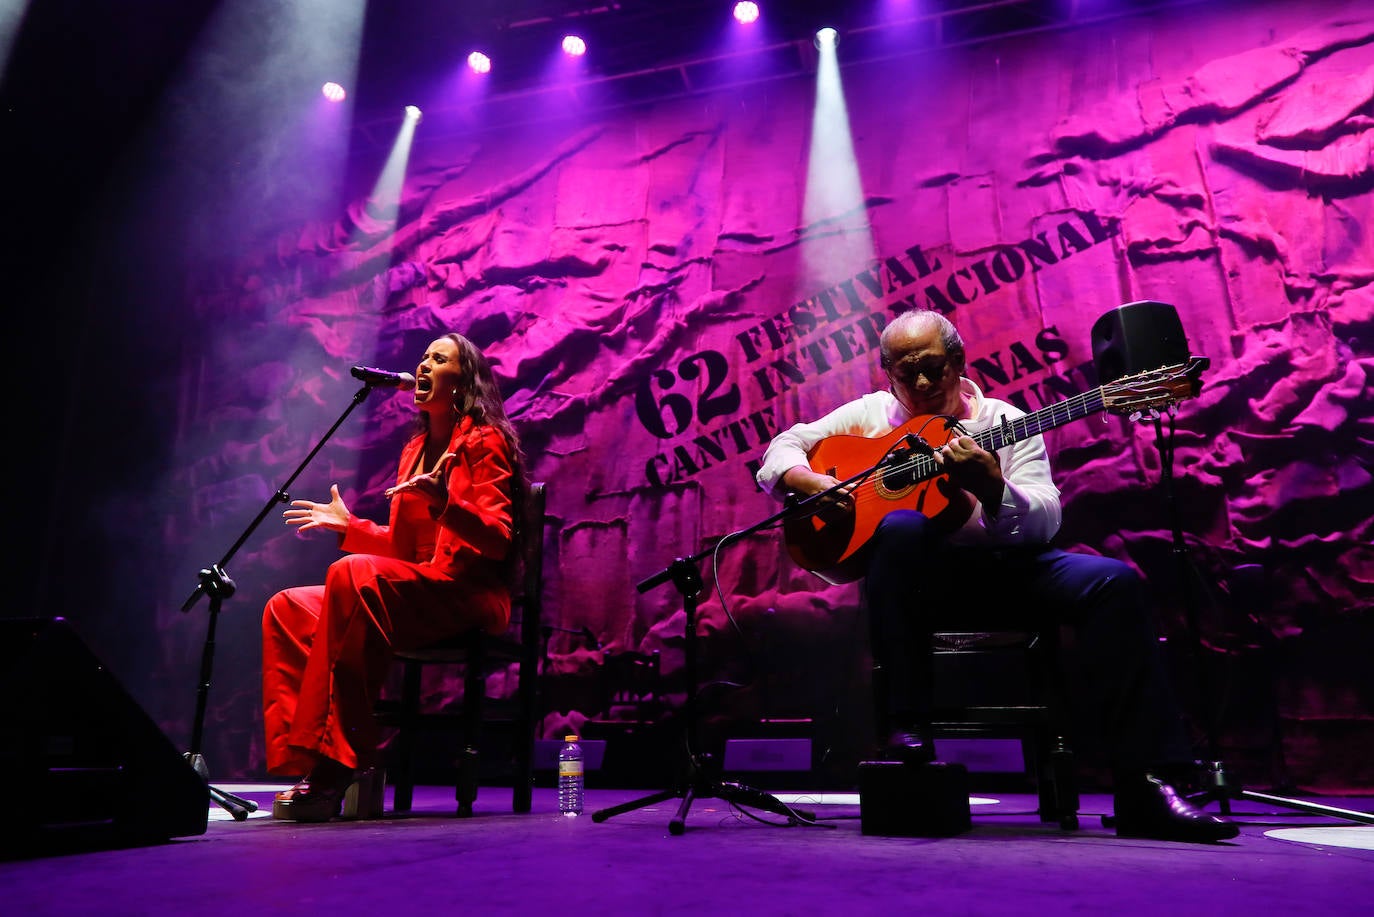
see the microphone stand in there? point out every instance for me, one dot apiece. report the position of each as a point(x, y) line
point(700, 770)
point(1219, 786)
point(215, 583)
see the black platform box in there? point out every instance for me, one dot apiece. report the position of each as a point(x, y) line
point(913, 800)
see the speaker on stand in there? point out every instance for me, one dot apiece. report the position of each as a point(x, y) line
point(85, 768)
point(1141, 337)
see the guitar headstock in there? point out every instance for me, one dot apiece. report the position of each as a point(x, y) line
point(1155, 388)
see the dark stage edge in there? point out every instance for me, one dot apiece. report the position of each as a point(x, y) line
point(498, 862)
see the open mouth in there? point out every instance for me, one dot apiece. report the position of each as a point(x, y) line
point(424, 384)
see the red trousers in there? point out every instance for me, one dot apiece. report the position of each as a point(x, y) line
point(327, 649)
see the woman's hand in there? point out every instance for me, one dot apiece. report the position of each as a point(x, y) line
point(306, 515)
point(432, 486)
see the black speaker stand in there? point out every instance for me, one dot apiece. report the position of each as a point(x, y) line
point(215, 582)
point(699, 780)
point(1217, 786)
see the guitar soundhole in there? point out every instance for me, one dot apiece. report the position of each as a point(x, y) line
point(895, 483)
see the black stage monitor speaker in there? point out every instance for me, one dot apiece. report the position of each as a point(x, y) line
point(913, 800)
point(82, 765)
point(1136, 338)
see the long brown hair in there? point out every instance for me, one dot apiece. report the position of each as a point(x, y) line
point(478, 395)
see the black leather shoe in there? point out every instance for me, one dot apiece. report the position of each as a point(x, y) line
point(1151, 808)
point(911, 745)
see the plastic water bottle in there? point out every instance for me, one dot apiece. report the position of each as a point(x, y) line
point(570, 777)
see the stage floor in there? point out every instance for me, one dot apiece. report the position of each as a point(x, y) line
point(430, 862)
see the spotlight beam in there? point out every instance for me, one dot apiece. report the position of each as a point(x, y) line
point(834, 197)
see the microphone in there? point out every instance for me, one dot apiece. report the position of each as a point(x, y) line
point(916, 444)
point(404, 381)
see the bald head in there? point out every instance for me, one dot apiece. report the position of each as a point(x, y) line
point(897, 337)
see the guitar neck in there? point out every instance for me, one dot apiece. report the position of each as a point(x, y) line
point(922, 467)
point(1033, 424)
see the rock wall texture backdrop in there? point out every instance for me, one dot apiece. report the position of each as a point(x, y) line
point(662, 287)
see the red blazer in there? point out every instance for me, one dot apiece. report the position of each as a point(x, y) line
point(473, 529)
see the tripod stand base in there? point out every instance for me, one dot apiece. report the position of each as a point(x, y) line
point(236, 806)
point(733, 793)
point(1221, 790)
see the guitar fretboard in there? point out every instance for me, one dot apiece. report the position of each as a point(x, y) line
point(1013, 431)
point(1056, 415)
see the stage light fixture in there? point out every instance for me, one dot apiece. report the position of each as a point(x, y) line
point(413, 113)
point(827, 38)
point(479, 62)
point(746, 11)
point(334, 92)
point(574, 46)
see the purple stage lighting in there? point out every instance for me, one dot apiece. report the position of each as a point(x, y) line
point(746, 11)
point(573, 46)
point(334, 92)
point(479, 62)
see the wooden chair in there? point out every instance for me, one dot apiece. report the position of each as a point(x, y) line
point(479, 654)
point(1038, 717)
point(632, 687)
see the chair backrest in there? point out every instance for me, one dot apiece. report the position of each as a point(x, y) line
point(529, 596)
point(983, 641)
point(632, 685)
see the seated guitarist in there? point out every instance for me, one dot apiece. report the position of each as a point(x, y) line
point(987, 554)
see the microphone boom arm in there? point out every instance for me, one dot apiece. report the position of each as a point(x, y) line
point(216, 572)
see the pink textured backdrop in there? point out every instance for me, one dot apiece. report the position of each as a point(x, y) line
point(657, 307)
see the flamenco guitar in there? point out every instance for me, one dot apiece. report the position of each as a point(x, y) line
point(898, 471)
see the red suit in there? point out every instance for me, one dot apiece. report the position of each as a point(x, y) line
point(327, 649)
